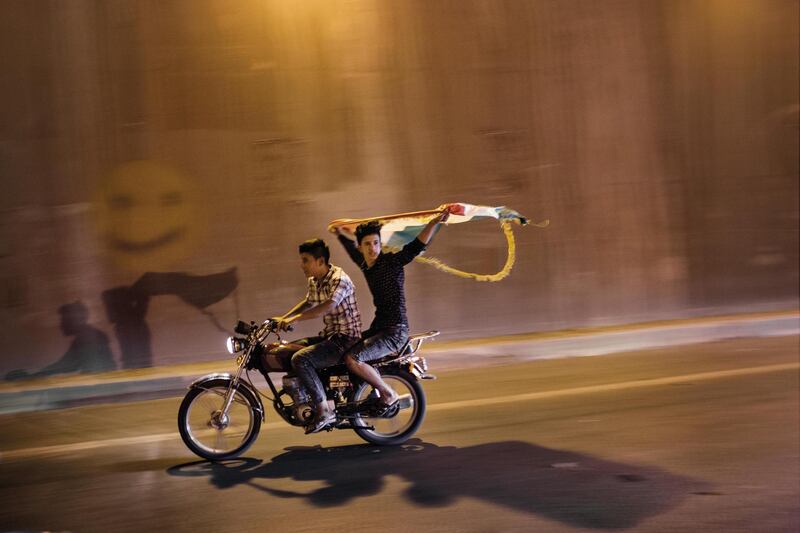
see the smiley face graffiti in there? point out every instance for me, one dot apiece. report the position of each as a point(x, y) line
point(148, 215)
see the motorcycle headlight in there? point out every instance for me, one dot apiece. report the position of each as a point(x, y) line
point(234, 344)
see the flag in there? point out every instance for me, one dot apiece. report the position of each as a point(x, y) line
point(400, 229)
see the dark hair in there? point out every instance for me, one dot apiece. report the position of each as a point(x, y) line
point(316, 248)
point(368, 228)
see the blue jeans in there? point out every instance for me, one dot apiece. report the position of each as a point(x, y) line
point(379, 343)
point(319, 352)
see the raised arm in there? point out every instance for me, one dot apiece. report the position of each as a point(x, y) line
point(349, 246)
point(417, 245)
point(426, 234)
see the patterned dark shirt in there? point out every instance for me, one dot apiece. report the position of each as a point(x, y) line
point(338, 287)
point(386, 280)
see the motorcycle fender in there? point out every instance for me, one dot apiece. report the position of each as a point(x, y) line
point(201, 383)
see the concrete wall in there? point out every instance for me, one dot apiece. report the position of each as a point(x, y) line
point(659, 137)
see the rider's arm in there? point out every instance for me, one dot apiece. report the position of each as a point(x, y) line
point(299, 308)
point(417, 246)
point(69, 362)
point(307, 314)
point(350, 247)
point(427, 232)
point(342, 287)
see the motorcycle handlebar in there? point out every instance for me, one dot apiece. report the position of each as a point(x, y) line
point(243, 328)
point(273, 324)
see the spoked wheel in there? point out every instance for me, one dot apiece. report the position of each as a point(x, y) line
point(211, 434)
point(402, 421)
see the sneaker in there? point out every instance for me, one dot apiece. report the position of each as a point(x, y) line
point(321, 423)
point(385, 408)
point(388, 405)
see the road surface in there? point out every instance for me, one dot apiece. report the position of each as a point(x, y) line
point(695, 438)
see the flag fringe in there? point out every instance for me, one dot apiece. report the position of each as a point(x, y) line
point(504, 272)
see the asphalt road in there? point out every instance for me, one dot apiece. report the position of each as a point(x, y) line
point(697, 438)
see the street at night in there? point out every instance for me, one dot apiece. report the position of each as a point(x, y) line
point(692, 438)
point(587, 211)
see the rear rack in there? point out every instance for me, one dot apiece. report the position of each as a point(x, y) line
point(406, 353)
point(415, 341)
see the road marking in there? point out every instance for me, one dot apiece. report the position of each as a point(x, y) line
point(63, 449)
point(28, 453)
point(703, 376)
point(83, 446)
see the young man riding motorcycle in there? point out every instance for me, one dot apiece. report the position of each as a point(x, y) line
point(331, 294)
point(386, 279)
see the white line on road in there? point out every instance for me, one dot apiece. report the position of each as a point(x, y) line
point(27, 453)
point(703, 376)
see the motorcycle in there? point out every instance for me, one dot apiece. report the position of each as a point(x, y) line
point(221, 414)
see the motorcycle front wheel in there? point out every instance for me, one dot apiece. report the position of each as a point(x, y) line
point(208, 432)
point(398, 426)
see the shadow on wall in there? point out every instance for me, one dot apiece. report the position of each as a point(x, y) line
point(88, 352)
point(126, 308)
point(576, 489)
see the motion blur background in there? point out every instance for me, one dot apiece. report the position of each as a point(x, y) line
point(160, 161)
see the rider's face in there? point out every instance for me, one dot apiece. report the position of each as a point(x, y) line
point(311, 266)
point(370, 247)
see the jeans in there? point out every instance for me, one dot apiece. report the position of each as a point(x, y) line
point(319, 353)
point(380, 343)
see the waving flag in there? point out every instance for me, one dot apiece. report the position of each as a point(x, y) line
point(402, 228)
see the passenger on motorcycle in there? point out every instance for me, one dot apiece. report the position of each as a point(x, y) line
point(385, 276)
point(331, 295)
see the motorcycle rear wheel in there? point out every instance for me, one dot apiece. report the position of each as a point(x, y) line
point(211, 436)
point(397, 429)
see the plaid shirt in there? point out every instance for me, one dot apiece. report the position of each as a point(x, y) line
point(338, 287)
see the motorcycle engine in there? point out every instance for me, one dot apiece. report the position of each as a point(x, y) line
point(303, 410)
